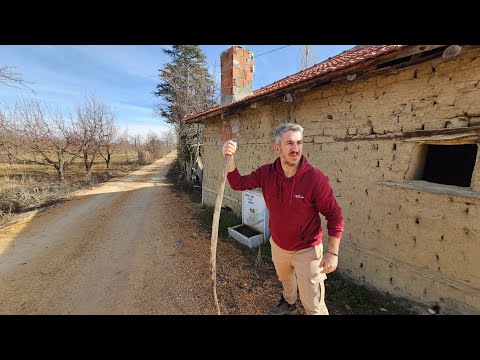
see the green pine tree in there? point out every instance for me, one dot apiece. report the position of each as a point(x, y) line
point(185, 87)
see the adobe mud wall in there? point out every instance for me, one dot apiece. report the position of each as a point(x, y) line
point(407, 241)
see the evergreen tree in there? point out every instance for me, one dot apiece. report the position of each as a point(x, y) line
point(185, 87)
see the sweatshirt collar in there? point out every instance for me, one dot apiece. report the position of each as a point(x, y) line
point(302, 167)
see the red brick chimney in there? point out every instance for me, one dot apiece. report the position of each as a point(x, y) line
point(237, 74)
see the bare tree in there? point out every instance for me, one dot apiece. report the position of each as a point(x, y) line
point(3, 136)
point(2, 128)
point(308, 57)
point(9, 77)
point(92, 119)
point(111, 141)
point(169, 139)
point(154, 145)
point(35, 134)
point(141, 154)
point(125, 144)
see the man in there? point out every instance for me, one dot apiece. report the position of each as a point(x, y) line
point(295, 192)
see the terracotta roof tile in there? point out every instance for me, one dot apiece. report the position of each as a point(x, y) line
point(347, 58)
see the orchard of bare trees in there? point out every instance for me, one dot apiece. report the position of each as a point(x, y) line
point(33, 133)
point(45, 154)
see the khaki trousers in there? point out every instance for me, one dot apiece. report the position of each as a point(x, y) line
point(301, 268)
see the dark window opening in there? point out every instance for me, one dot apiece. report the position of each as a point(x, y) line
point(394, 62)
point(430, 54)
point(436, 51)
point(450, 164)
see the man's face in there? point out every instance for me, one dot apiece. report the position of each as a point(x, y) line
point(290, 148)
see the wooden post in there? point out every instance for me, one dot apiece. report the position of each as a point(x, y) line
point(216, 219)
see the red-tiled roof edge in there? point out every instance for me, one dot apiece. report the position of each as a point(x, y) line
point(342, 61)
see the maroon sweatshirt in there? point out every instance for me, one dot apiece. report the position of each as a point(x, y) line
point(294, 203)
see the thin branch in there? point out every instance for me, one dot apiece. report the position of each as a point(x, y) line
point(9, 76)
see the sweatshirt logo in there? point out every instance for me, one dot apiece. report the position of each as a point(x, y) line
point(298, 197)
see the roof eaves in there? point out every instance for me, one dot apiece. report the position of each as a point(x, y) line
point(297, 84)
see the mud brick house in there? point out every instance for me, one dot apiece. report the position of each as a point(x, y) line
point(396, 128)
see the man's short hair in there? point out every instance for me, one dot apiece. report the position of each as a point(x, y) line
point(283, 128)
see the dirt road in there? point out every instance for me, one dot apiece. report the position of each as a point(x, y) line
point(129, 246)
point(125, 247)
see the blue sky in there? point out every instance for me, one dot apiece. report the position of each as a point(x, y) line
point(124, 76)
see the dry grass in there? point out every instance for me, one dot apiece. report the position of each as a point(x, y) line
point(25, 187)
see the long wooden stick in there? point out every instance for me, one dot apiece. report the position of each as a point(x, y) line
point(216, 219)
